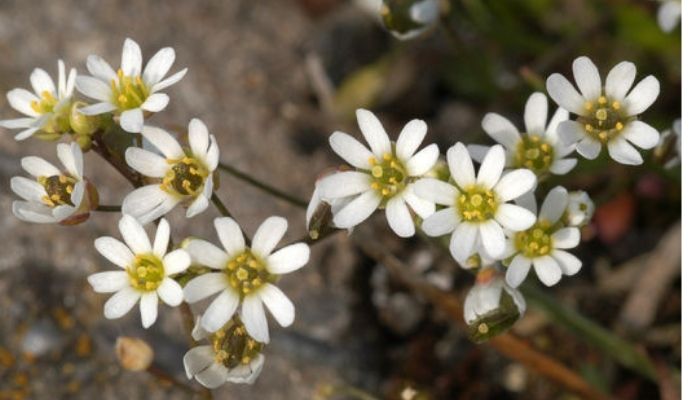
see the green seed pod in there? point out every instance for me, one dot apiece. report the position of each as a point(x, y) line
point(81, 124)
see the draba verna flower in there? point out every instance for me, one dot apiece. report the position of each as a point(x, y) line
point(146, 271)
point(477, 208)
point(669, 14)
point(538, 148)
point(543, 243)
point(384, 174)
point(606, 115)
point(181, 175)
point(47, 108)
point(245, 275)
point(491, 306)
point(129, 92)
point(231, 356)
point(580, 209)
point(54, 195)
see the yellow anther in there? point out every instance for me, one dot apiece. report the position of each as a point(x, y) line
point(241, 274)
point(603, 135)
point(616, 105)
point(483, 328)
point(589, 128)
point(375, 186)
point(619, 126)
point(377, 171)
point(602, 100)
point(476, 200)
point(588, 106)
point(387, 156)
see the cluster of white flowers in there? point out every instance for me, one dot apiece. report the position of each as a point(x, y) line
point(164, 174)
point(492, 214)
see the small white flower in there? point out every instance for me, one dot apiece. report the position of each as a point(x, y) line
point(186, 175)
point(245, 275)
point(607, 115)
point(669, 14)
point(145, 274)
point(384, 176)
point(41, 107)
point(54, 195)
point(232, 356)
point(542, 244)
point(580, 209)
point(485, 297)
point(477, 207)
point(129, 92)
point(538, 148)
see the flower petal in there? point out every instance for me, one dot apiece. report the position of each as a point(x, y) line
point(170, 292)
point(21, 100)
point(358, 210)
point(288, 259)
point(536, 110)
point(171, 80)
point(163, 141)
point(501, 130)
point(588, 148)
point(268, 235)
point(230, 235)
point(114, 251)
point(420, 206)
point(623, 152)
point(563, 166)
point(158, 66)
point(33, 212)
point(37, 166)
point(198, 137)
point(121, 302)
point(176, 261)
point(374, 133)
point(436, 191)
point(100, 69)
point(442, 222)
point(514, 184)
point(399, 218)
point(554, 205)
point(514, 217)
point(463, 242)
point(492, 167)
point(278, 303)
point(423, 161)
point(156, 102)
point(93, 88)
point(565, 95)
point(517, 270)
point(146, 163)
point(569, 264)
point(98, 108)
point(253, 317)
point(143, 200)
point(197, 359)
point(559, 116)
point(204, 286)
point(28, 189)
point(351, 150)
point(641, 134)
point(108, 282)
point(492, 238)
point(18, 123)
point(134, 235)
point(587, 78)
point(149, 309)
point(71, 157)
point(547, 270)
point(410, 138)
point(343, 184)
point(220, 310)
point(620, 80)
point(42, 82)
point(566, 238)
point(197, 206)
point(642, 96)
point(212, 377)
point(131, 120)
point(131, 58)
point(205, 253)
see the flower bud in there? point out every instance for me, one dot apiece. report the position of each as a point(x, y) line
point(319, 213)
point(491, 306)
point(133, 354)
point(407, 19)
point(580, 209)
point(81, 124)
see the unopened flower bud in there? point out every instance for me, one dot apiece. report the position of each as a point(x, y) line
point(81, 124)
point(133, 354)
point(319, 213)
point(407, 19)
point(491, 306)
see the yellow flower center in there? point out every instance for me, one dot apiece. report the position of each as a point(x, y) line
point(58, 189)
point(45, 104)
point(233, 346)
point(388, 175)
point(477, 204)
point(536, 241)
point(128, 91)
point(185, 177)
point(246, 273)
point(605, 119)
point(146, 273)
point(534, 153)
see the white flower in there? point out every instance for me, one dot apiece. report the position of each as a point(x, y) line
point(129, 92)
point(184, 175)
point(245, 275)
point(542, 244)
point(232, 356)
point(145, 273)
point(406, 21)
point(607, 115)
point(669, 14)
point(41, 107)
point(477, 207)
point(580, 209)
point(54, 195)
point(538, 148)
point(486, 296)
point(384, 176)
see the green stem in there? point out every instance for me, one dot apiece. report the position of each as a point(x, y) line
point(293, 200)
point(108, 208)
point(616, 347)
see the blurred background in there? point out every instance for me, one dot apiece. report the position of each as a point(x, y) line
point(272, 80)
